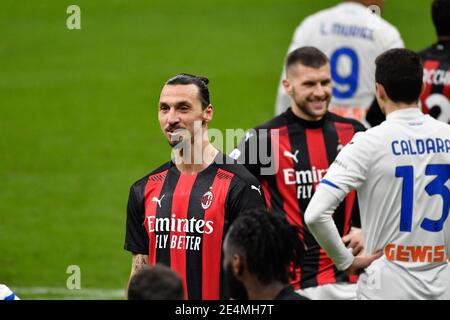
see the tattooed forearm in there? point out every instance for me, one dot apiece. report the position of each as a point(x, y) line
point(139, 260)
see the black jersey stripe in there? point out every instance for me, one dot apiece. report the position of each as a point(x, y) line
point(164, 211)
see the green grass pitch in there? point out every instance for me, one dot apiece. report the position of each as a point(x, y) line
point(78, 121)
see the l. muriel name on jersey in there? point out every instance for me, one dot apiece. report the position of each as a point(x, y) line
point(304, 179)
point(178, 233)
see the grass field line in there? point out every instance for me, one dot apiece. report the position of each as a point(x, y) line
point(92, 293)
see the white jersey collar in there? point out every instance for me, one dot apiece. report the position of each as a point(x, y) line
point(408, 113)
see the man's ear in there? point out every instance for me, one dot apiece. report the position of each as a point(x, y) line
point(287, 86)
point(237, 265)
point(208, 114)
point(380, 92)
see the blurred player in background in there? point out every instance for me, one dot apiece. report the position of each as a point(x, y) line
point(352, 36)
point(258, 250)
point(401, 170)
point(7, 294)
point(155, 283)
point(178, 214)
point(435, 97)
point(302, 142)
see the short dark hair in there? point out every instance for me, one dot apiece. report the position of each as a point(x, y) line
point(269, 243)
point(307, 56)
point(155, 283)
point(400, 72)
point(200, 81)
point(440, 12)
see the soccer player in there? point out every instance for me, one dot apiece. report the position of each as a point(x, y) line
point(258, 251)
point(7, 294)
point(435, 97)
point(178, 214)
point(155, 283)
point(352, 37)
point(302, 142)
point(401, 170)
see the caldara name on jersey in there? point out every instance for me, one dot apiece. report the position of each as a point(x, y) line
point(419, 146)
point(304, 179)
point(174, 225)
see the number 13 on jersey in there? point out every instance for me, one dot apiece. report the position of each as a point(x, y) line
point(436, 187)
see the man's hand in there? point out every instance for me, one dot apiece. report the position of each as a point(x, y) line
point(362, 261)
point(354, 240)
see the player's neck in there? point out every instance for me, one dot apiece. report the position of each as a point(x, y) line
point(302, 115)
point(258, 291)
point(392, 106)
point(195, 158)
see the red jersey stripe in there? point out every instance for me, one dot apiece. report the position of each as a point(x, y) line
point(291, 206)
point(212, 242)
point(345, 133)
point(266, 189)
point(152, 189)
point(319, 160)
point(180, 204)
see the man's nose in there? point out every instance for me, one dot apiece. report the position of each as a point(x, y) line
point(173, 117)
point(319, 90)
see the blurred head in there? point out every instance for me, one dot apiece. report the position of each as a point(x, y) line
point(184, 100)
point(398, 77)
point(440, 11)
point(155, 283)
point(308, 82)
point(260, 245)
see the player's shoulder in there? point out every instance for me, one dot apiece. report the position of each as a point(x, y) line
point(385, 30)
point(434, 123)
point(358, 126)
point(274, 123)
point(230, 165)
point(157, 174)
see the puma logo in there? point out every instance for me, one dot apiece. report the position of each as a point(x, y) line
point(290, 155)
point(257, 189)
point(158, 201)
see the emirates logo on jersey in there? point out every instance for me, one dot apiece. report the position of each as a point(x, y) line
point(207, 200)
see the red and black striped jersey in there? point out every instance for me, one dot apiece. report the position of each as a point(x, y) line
point(435, 98)
point(180, 220)
point(298, 153)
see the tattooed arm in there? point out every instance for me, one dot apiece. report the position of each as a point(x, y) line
point(139, 261)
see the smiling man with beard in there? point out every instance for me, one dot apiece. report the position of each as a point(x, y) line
point(177, 215)
point(303, 142)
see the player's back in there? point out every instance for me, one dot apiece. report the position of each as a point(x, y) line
point(404, 206)
point(352, 37)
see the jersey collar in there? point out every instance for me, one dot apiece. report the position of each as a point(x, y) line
point(405, 114)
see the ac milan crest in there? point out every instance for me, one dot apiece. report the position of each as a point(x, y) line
point(207, 199)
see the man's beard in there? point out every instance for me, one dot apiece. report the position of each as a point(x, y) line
point(236, 288)
point(303, 105)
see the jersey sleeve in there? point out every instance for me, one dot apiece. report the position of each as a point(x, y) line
point(244, 196)
point(136, 237)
